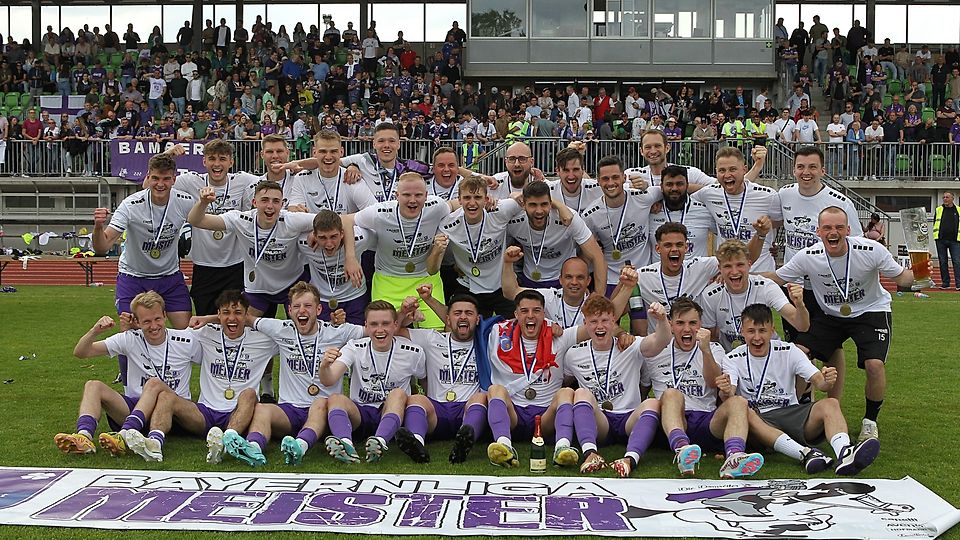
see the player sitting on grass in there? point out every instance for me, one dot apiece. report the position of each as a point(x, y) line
point(232, 364)
point(767, 371)
point(160, 362)
point(382, 369)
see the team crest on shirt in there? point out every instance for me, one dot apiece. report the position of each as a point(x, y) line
point(506, 343)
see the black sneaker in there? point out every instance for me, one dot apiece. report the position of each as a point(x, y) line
point(267, 398)
point(856, 458)
point(462, 444)
point(410, 446)
point(815, 461)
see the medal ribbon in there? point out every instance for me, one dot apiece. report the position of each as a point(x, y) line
point(303, 352)
point(257, 250)
point(466, 360)
point(845, 289)
point(226, 190)
point(528, 371)
point(735, 223)
point(163, 217)
point(166, 354)
point(332, 205)
point(758, 389)
point(563, 313)
point(737, 322)
point(683, 212)
point(475, 249)
point(331, 278)
point(673, 364)
point(449, 193)
point(386, 188)
point(231, 369)
point(413, 242)
point(596, 371)
point(543, 240)
point(616, 237)
point(663, 282)
point(386, 371)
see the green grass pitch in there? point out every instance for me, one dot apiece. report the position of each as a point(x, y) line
point(918, 423)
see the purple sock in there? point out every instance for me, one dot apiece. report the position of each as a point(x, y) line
point(135, 420)
point(158, 435)
point(677, 438)
point(415, 419)
point(257, 437)
point(87, 423)
point(308, 436)
point(388, 426)
point(475, 417)
point(339, 422)
point(643, 432)
point(498, 418)
point(733, 445)
point(564, 422)
point(585, 424)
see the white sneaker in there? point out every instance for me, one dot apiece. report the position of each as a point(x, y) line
point(145, 447)
point(868, 430)
point(214, 445)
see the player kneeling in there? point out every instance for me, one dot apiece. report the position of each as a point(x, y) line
point(767, 370)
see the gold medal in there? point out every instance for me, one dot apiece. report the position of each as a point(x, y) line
point(409, 267)
point(475, 271)
point(607, 405)
point(616, 255)
point(845, 310)
point(530, 393)
point(229, 393)
point(155, 253)
point(451, 395)
point(218, 235)
point(313, 389)
point(735, 343)
point(333, 303)
point(536, 275)
point(252, 276)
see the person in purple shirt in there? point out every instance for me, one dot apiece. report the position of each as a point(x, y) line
point(955, 131)
point(896, 107)
point(98, 73)
point(267, 127)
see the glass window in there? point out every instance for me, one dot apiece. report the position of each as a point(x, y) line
point(49, 16)
point(250, 12)
point(790, 14)
point(173, 18)
point(440, 17)
point(894, 203)
point(208, 15)
point(681, 18)
point(74, 17)
point(393, 18)
point(21, 23)
point(228, 12)
point(744, 19)
point(143, 18)
point(558, 18)
point(832, 15)
point(621, 18)
point(498, 18)
point(891, 23)
point(859, 14)
point(946, 29)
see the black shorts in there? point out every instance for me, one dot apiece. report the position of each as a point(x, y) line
point(810, 301)
point(792, 420)
point(209, 281)
point(871, 332)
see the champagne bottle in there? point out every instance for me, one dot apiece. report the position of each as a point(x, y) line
point(538, 452)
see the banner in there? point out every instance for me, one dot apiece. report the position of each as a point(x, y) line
point(471, 505)
point(129, 157)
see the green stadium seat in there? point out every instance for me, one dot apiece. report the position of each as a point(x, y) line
point(853, 71)
point(903, 164)
point(24, 100)
point(116, 58)
point(11, 100)
point(928, 88)
point(894, 86)
point(3, 112)
point(2, 94)
point(341, 56)
point(15, 111)
point(928, 113)
point(938, 164)
point(887, 101)
point(103, 58)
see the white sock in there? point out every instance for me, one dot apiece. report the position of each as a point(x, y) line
point(563, 442)
point(419, 438)
point(505, 440)
point(839, 442)
point(86, 434)
point(303, 445)
point(588, 447)
point(266, 383)
point(788, 447)
point(634, 455)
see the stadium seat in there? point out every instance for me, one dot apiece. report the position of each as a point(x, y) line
point(887, 100)
point(3, 112)
point(853, 71)
point(903, 164)
point(928, 88)
point(2, 94)
point(341, 56)
point(24, 100)
point(11, 100)
point(928, 113)
point(938, 164)
point(15, 111)
point(894, 86)
point(116, 58)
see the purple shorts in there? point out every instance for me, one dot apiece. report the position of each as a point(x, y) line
point(353, 308)
point(214, 418)
point(545, 284)
point(449, 418)
point(617, 433)
point(635, 313)
point(173, 289)
point(264, 301)
point(698, 429)
point(369, 420)
point(131, 403)
point(525, 419)
point(295, 415)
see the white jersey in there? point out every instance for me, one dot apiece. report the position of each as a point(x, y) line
point(545, 251)
point(478, 249)
point(589, 194)
point(286, 185)
point(526, 372)
point(695, 275)
point(612, 375)
point(218, 248)
point(866, 259)
point(280, 264)
point(311, 189)
point(555, 309)
point(623, 230)
point(150, 249)
point(401, 240)
point(451, 193)
point(694, 175)
point(381, 181)
point(451, 366)
point(695, 217)
point(800, 215)
point(683, 370)
point(770, 382)
point(301, 356)
point(722, 309)
point(327, 273)
point(736, 214)
point(231, 366)
point(505, 188)
point(374, 374)
point(170, 361)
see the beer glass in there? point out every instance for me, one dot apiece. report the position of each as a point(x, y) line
point(917, 235)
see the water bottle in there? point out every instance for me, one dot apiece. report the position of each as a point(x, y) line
point(920, 295)
point(97, 284)
point(538, 452)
